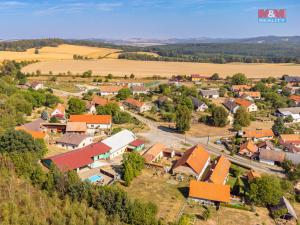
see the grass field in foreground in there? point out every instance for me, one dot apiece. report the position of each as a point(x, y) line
point(120, 67)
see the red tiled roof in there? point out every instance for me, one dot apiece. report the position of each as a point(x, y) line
point(137, 142)
point(97, 100)
point(79, 157)
point(111, 89)
point(134, 102)
point(199, 76)
point(88, 118)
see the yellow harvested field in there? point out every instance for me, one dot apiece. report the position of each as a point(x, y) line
point(122, 67)
point(57, 53)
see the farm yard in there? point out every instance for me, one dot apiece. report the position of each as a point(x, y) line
point(120, 67)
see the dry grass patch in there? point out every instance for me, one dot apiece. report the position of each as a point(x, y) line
point(120, 67)
point(156, 189)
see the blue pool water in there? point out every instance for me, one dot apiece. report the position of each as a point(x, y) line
point(94, 178)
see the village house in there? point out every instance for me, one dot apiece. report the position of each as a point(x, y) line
point(211, 93)
point(59, 112)
point(161, 100)
point(198, 105)
point(99, 101)
point(240, 87)
point(95, 123)
point(136, 145)
point(294, 112)
point(193, 162)
point(71, 141)
point(231, 105)
point(209, 193)
point(290, 142)
point(36, 85)
point(259, 134)
point(109, 90)
point(250, 106)
point(119, 142)
point(266, 145)
point(248, 149)
point(198, 77)
point(76, 127)
point(289, 88)
point(271, 157)
point(137, 90)
point(252, 94)
point(220, 170)
point(80, 159)
point(295, 99)
point(154, 153)
point(136, 105)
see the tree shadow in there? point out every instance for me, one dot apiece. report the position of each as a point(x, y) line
point(184, 191)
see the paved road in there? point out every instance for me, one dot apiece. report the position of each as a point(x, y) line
point(158, 133)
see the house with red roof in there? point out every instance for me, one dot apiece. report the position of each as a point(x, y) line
point(94, 123)
point(136, 145)
point(79, 159)
point(220, 170)
point(136, 105)
point(193, 162)
point(295, 99)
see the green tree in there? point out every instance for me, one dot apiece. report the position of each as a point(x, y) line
point(76, 106)
point(265, 191)
point(242, 117)
point(20, 141)
point(133, 163)
point(124, 93)
point(183, 118)
point(239, 78)
point(215, 76)
point(219, 117)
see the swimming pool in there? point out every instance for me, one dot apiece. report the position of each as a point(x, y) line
point(94, 178)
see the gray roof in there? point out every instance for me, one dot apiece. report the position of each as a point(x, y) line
point(230, 104)
point(34, 125)
point(119, 140)
point(72, 138)
point(209, 92)
point(291, 78)
point(293, 110)
point(294, 157)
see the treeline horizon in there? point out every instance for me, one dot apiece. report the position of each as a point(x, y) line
point(202, 52)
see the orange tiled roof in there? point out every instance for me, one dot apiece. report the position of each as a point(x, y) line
point(253, 94)
point(241, 87)
point(250, 146)
point(88, 118)
point(134, 102)
point(195, 157)
point(243, 102)
point(220, 171)
point(99, 100)
point(290, 137)
point(154, 151)
point(296, 98)
point(258, 133)
point(34, 134)
point(111, 89)
point(209, 191)
point(253, 174)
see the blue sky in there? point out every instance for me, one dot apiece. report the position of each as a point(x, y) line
point(119, 19)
